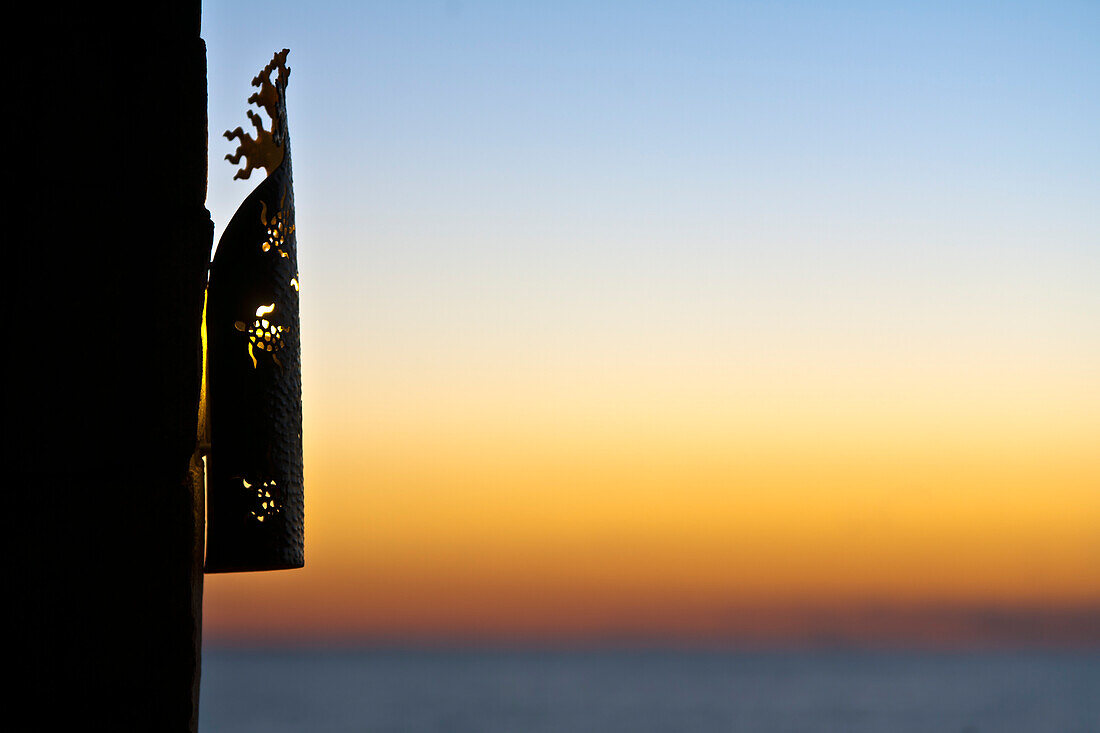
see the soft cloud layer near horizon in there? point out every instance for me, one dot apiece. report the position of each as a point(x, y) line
point(621, 317)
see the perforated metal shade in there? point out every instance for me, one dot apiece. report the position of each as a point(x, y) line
point(254, 505)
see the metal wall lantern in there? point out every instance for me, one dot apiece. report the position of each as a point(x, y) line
point(254, 377)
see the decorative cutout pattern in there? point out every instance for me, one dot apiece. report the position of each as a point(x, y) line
point(255, 504)
point(265, 505)
point(277, 231)
point(267, 149)
point(263, 335)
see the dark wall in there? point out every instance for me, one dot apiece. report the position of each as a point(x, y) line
point(111, 239)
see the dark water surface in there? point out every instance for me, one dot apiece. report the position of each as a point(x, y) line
point(648, 691)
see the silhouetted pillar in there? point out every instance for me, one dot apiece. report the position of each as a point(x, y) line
point(110, 240)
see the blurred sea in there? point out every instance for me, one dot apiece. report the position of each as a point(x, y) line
point(624, 691)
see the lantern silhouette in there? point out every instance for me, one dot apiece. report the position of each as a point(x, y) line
point(253, 394)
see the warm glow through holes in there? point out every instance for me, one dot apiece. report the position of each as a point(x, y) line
point(275, 229)
point(263, 334)
point(265, 505)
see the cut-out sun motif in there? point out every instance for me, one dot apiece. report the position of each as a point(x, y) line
point(268, 148)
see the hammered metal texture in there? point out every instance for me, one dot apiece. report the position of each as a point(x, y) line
point(255, 509)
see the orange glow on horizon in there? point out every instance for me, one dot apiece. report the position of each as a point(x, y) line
point(672, 519)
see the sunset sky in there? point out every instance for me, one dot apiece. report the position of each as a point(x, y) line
point(750, 321)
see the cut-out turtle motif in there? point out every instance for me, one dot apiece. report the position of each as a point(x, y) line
point(266, 506)
point(277, 230)
point(263, 335)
